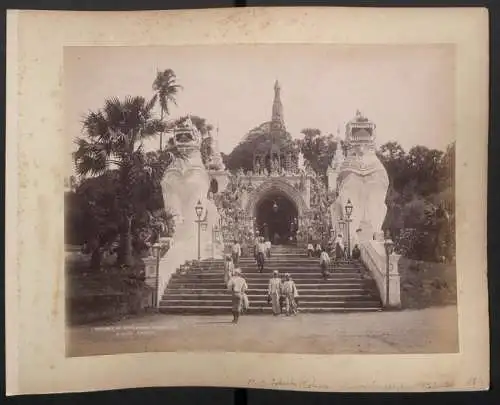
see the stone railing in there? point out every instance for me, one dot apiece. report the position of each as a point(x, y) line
point(152, 278)
point(374, 257)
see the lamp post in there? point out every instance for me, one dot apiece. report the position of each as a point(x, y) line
point(157, 251)
point(348, 213)
point(199, 210)
point(389, 247)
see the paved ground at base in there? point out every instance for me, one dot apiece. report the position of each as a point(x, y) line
point(429, 330)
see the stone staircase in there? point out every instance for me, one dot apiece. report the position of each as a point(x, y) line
point(201, 289)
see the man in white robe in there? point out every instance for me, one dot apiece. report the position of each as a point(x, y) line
point(274, 292)
point(291, 295)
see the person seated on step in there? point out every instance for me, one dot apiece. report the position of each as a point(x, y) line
point(238, 287)
point(356, 253)
point(310, 250)
point(290, 295)
point(228, 269)
point(324, 263)
point(268, 248)
point(261, 255)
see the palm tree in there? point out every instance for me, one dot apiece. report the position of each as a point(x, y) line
point(166, 90)
point(115, 136)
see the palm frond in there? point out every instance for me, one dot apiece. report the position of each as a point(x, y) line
point(151, 103)
point(90, 158)
point(166, 87)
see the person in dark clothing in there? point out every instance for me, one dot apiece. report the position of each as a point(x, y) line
point(356, 253)
point(266, 231)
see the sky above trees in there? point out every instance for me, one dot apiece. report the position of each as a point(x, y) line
point(408, 91)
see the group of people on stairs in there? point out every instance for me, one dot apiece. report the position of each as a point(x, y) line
point(336, 249)
point(282, 295)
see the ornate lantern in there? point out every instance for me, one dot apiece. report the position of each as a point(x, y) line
point(348, 208)
point(198, 209)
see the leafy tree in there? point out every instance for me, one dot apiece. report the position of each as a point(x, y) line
point(420, 200)
point(114, 142)
point(94, 215)
point(393, 157)
point(318, 150)
point(424, 166)
point(202, 125)
point(166, 89)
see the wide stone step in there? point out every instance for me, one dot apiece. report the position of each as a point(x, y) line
point(250, 277)
point(300, 287)
point(263, 291)
point(282, 269)
point(263, 303)
point(263, 297)
point(289, 263)
point(297, 262)
point(264, 278)
point(200, 310)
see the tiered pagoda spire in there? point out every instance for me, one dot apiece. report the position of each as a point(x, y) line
point(277, 121)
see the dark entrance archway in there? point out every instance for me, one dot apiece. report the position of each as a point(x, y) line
point(277, 218)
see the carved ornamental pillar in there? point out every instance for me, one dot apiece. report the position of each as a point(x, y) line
point(288, 162)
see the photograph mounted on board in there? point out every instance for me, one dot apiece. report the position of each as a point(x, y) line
point(260, 198)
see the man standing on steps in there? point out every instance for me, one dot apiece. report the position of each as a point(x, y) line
point(291, 295)
point(274, 292)
point(268, 248)
point(236, 252)
point(238, 287)
point(324, 263)
point(256, 245)
point(261, 251)
point(228, 269)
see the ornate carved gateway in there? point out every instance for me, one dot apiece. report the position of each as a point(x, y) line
point(273, 194)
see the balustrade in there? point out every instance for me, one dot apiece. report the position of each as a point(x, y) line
point(374, 257)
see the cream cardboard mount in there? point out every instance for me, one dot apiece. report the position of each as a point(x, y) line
point(37, 145)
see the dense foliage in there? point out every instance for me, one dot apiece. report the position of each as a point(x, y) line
point(318, 150)
point(421, 210)
point(117, 197)
point(94, 214)
point(420, 200)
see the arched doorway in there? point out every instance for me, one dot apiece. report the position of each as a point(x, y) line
point(277, 218)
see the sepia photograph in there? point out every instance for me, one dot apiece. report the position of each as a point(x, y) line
point(264, 198)
point(260, 198)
